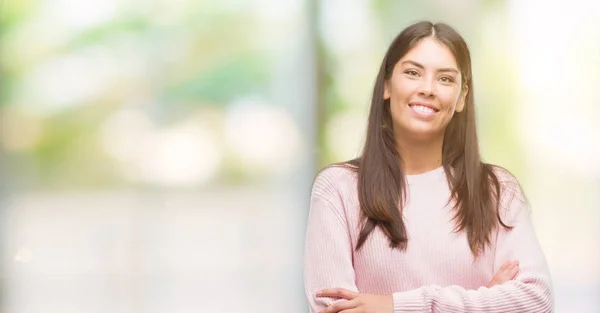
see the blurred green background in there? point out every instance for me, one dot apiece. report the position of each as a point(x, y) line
point(157, 156)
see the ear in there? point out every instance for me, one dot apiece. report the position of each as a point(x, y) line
point(463, 99)
point(386, 90)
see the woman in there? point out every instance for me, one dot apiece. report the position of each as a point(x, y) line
point(418, 223)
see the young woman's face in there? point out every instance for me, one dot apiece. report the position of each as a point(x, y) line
point(425, 91)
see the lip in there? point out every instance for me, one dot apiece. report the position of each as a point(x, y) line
point(426, 116)
point(425, 105)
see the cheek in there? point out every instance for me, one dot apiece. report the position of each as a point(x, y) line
point(397, 112)
point(402, 89)
point(394, 110)
point(449, 101)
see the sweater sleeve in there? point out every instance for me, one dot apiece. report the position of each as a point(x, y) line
point(530, 291)
point(328, 249)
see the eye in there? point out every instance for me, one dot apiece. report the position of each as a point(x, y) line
point(447, 79)
point(411, 73)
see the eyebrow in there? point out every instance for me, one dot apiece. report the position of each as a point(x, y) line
point(419, 65)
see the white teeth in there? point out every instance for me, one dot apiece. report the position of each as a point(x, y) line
point(423, 109)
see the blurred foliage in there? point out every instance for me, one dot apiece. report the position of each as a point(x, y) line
point(210, 71)
point(208, 57)
point(223, 82)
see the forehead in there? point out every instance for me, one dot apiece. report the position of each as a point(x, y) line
point(432, 54)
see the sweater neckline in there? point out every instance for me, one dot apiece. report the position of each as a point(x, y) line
point(429, 176)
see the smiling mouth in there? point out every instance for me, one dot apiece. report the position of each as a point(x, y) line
point(423, 108)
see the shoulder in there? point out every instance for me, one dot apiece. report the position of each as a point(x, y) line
point(512, 200)
point(335, 179)
point(506, 179)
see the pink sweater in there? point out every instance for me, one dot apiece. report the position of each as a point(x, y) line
point(437, 272)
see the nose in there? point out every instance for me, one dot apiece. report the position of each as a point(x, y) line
point(427, 88)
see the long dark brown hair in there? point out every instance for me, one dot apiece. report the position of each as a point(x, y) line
point(474, 185)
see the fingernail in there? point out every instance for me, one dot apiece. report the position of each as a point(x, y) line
point(318, 293)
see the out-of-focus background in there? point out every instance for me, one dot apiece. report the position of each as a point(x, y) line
point(157, 156)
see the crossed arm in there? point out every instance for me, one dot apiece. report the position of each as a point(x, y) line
point(530, 291)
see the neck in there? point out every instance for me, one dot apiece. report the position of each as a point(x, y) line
point(420, 157)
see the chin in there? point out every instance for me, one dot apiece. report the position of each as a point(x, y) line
point(422, 133)
point(424, 136)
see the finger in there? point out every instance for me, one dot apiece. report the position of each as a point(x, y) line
point(339, 307)
point(506, 274)
point(508, 264)
point(338, 293)
point(499, 277)
point(514, 272)
point(506, 269)
point(494, 281)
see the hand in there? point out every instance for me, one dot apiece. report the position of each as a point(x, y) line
point(357, 302)
point(507, 272)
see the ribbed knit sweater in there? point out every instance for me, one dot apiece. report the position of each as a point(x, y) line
point(437, 272)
